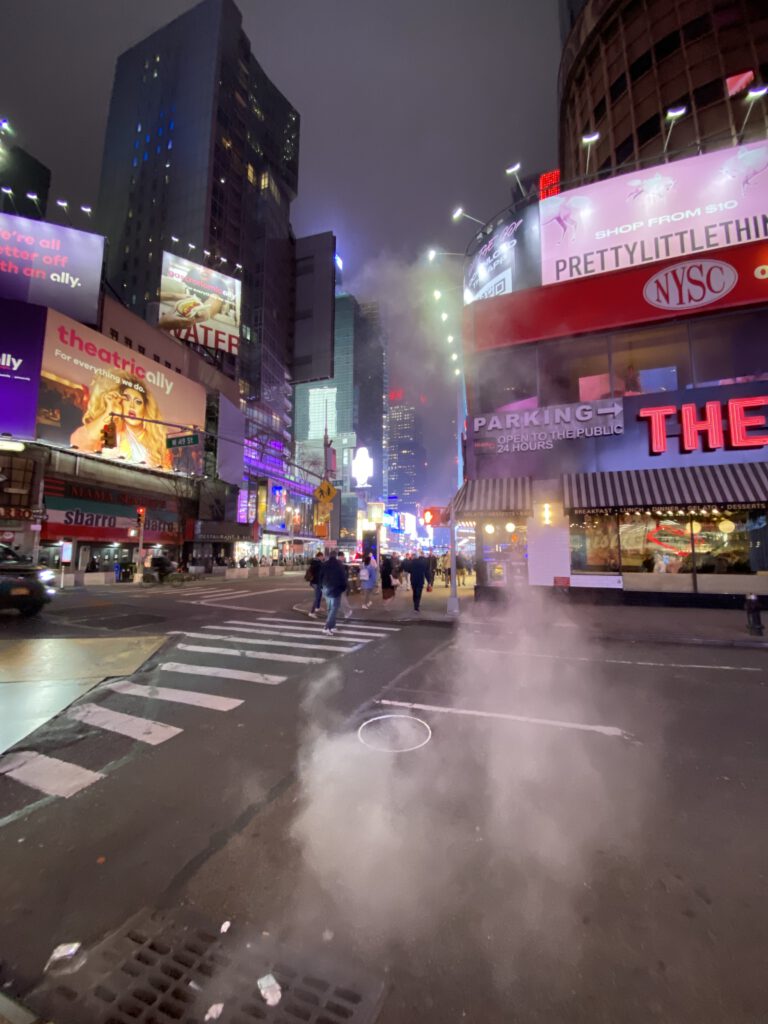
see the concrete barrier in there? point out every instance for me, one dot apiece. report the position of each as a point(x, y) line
point(236, 574)
point(97, 579)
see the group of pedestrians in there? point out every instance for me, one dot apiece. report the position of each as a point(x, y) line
point(329, 579)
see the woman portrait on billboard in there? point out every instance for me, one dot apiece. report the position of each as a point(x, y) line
point(127, 403)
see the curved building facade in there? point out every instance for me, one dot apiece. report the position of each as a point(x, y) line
point(626, 63)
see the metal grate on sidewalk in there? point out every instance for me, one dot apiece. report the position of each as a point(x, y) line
point(163, 969)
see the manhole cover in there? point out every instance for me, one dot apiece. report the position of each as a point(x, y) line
point(162, 970)
point(394, 734)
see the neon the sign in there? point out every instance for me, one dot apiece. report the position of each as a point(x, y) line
point(707, 431)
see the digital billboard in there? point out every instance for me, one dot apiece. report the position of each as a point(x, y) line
point(21, 346)
point(199, 305)
point(51, 265)
point(508, 259)
point(86, 378)
point(673, 210)
point(230, 453)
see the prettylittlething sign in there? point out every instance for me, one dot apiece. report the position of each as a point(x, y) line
point(51, 265)
point(678, 209)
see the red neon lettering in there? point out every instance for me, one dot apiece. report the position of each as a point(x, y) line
point(711, 425)
point(739, 422)
point(657, 422)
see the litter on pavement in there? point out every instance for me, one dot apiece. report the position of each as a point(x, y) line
point(214, 1011)
point(270, 989)
point(225, 927)
point(65, 957)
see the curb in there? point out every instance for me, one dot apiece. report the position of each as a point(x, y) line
point(684, 641)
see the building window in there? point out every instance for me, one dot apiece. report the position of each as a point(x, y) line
point(640, 66)
point(594, 541)
point(697, 28)
point(142, 350)
point(113, 334)
point(729, 349)
point(708, 94)
point(599, 112)
point(156, 358)
point(128, 342)
point(625, 150)
point(574, 371)
point(667, 46)
point(618, 87)
point(648, 130)
point(167, 364)
point(651, 360)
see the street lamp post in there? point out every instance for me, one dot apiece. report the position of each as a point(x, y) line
point(755, 93)
point(514, 170)
point(673, 116)
point(589, 141)
point(460, 213)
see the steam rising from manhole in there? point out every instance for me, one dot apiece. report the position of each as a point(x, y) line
point(394, 734)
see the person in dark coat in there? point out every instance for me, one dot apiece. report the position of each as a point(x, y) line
point(387, 572)
point(312, 576)
point(333, 580)
point(419, 571)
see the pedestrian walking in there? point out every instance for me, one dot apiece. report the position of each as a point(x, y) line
point(333, 580)
point(312, 576)
point(368, 579)
point(419, 570)
point(461, 570)
point(345, 606)
point(389, 580)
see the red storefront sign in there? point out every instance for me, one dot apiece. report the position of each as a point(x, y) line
point(707, 431)
point(733, 277)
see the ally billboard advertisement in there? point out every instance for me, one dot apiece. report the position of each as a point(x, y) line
point(683, 208)
point(89, 381)
point(51, 265)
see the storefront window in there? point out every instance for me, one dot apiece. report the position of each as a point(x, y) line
point(655, 542)
point(507, 379)
point(574, 371)
point(651, 360)
point(729, 542)
point(504, 547)
point(594, 543)
point(729, 349)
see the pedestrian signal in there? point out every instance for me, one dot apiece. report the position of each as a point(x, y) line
point(140, 514)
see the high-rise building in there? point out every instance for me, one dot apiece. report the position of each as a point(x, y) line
point(350, 406)
point(201, 159)
point(406, 453)
point(25, 183)
point(653, 80)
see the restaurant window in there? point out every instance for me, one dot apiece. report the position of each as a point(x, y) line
point(732, 542)
point(648, 361)
point(576, 370)
point(655, 541)
point(729, 349)
point(594, 541)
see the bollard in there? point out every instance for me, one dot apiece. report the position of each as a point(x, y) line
point(754, 622)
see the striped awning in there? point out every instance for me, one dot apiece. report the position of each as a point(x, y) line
point(497, 494)
point(741, 484)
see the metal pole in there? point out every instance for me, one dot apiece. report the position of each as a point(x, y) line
point(141, 549)
point(453, 600)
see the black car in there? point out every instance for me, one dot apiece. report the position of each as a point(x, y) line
point(24, 585)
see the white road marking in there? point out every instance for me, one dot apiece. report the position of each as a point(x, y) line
point(46, 774)
point(198, 700)
point(621, 661)
point(143, 729)
point(604, 730)
point(367, 628)
point(314, 629)
point(221, 673)
point(261, 643)
point(299, 636)
point(301, 659)
point(231, 607)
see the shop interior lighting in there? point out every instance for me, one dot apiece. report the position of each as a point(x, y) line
point(437, 295)
point(510, 527)
point(490, 528)
point(457, 372)
point(449, 339)
point(443, 317)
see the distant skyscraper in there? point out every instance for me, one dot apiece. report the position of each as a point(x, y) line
point(351, 404)
point(24, 176)
point(406, 452)
point(201, 159)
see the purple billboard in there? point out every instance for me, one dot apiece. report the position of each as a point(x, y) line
point(21, 350)
point(51, 266)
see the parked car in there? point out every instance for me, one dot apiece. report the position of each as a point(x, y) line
point(24, 584)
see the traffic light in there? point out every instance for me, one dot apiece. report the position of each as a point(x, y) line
point(140, 514)
point(435, 516)
point(109, 435)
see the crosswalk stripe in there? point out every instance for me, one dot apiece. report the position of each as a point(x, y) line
point(221, 673)
point(143, 729)
point(301, 659)
point(199, 700)
point(313, 630)
point(46, 774)
point(350, 639)
point(365, 627)
point(261, 642)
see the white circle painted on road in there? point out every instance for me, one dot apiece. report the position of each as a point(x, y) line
point(394, 734)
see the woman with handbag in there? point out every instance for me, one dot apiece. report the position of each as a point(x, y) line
point(368, 579)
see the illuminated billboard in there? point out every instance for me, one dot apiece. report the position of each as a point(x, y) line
point(50, 265)
point(673, 210)
point(508, 259)
point(87, 377)
point(21, 345)
point(199, 305)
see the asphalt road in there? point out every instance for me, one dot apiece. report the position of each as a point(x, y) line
point(578, 833)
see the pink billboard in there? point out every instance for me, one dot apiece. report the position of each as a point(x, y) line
point(678, 209)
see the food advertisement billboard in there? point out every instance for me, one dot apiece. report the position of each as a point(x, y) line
point(89, 381)
point(680, 209)
point(21, 346)
point(51, 265)
point(199, 305)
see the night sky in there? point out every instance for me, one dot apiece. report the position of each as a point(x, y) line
point(408, 108)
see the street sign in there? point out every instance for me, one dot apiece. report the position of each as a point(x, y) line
point(325, 491)
point(182, 441)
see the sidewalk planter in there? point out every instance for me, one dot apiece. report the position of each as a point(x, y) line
point(276, 570)
point(236, 574)
point(196, 570)
point(98, 579)
point(219, 570)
